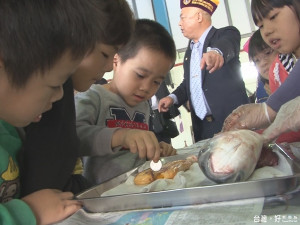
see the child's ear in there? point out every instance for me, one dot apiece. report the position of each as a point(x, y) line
point(116, 60)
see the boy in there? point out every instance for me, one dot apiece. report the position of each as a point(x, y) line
point(114, 117)
point(52, 144)
point(41, 44)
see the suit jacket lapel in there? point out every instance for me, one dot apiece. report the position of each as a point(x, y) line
point(187, 61)
point(206, 44)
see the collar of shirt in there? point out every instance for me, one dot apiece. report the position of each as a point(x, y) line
point(202, 38)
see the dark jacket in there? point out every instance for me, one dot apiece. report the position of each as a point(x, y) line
point(51, 149)
point(166, 135)
point(224, 89)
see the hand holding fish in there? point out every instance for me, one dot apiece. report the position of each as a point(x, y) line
point(249, 116)
point(287, 119)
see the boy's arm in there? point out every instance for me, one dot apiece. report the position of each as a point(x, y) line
point(94, 138)
point(16, 212)
point(42, 207)
point(97, 139)
point(51, 206)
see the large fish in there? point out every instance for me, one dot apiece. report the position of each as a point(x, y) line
point(231, 156)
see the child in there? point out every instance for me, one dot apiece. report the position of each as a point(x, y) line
point(41, 44)
point(272, 66)
point(114, 117)
point(285, 14)
point(51, 147)
point(262, 56)
point(279, 24)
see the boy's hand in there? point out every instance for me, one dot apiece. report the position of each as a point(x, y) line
point(166, 149)
point(51, 206)
point(138, 141)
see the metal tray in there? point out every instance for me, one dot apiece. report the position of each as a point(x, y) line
point(190, 196)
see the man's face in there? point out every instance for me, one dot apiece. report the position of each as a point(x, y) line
point(189, 23)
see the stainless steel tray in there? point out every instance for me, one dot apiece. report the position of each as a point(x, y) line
point(190, 196)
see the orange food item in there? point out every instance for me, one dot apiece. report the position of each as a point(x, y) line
point(144, 177)
point(168, 171)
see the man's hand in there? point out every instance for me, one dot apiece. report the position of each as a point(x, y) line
point(212, 60)
point(164, 104)
point(50, 206)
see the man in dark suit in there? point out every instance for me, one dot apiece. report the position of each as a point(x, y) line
point(212, 80)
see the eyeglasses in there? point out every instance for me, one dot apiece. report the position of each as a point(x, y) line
point(259, 57)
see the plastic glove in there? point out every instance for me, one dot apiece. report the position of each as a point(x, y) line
point(287, 119)
point(249, 116)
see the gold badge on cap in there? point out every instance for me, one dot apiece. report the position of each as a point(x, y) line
point(186, 1)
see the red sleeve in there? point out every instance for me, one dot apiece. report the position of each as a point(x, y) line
point(277, 74)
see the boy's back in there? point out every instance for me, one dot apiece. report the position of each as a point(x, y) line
point(49, 163)
point(41, 44)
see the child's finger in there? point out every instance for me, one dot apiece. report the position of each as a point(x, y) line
point(154, 152)
point(141, 147)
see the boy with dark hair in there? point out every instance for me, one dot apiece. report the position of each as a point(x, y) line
point(113, 118)
point(41, 44)
point(51, 147)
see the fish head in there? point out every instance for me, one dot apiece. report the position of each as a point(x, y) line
point(228, 176)
point(230, 156)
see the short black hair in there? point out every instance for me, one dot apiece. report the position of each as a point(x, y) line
point(149, 34)
point(256, 45)
point(117, 22)
point(34, 34)
point(261, 8)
